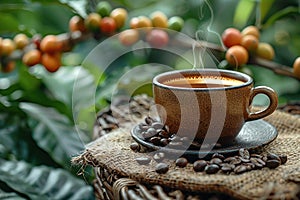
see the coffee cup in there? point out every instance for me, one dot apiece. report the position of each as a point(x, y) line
point(210, 105)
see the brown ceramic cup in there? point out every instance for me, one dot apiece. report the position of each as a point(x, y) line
point(209, 105)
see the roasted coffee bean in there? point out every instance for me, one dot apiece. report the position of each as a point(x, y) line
point(162, 168)
point(155, 140)
point(272, 156)
point(225, 167)
point(158, 157)
point(164, 142)
point(256, 155)
point(240, 169)
point(157, 125)
point(143, 160)
point(163, 133)
point(135, 146)
point(181, 162)
point(218, 155)
point(212, 169)
point(143, 127)
point(229, 159)
point(199, 165)
point(244, 153)
point(283, 159)
point(235, 161)
point(148, 120)
point(151, 132)
point(272, 164)
point(244, 160)
point(216, 161)
point(259, 163)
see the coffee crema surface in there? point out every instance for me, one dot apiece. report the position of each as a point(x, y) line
point(203, 82)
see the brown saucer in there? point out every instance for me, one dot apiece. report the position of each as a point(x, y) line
point(253, 135)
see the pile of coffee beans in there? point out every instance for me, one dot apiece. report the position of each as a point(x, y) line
point(158, 134)
point(238, 163)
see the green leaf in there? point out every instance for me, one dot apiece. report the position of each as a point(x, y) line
point(265, 6)
point(43, 182)
point(280, 14)
point(54, 133)
point(10, 196)
point(243, 12)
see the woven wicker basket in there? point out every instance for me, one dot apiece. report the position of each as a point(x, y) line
point(117, 179)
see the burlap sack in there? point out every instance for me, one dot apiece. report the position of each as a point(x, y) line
point(113, 153)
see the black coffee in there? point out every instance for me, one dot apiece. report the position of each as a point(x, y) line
point(203, 82)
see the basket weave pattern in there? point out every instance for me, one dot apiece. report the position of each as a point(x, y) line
point(118, 172)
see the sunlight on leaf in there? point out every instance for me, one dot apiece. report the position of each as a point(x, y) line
point(243, 12)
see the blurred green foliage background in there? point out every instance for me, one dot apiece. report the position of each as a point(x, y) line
point(38, 132)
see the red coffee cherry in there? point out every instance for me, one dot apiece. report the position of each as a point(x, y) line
point(157, 38)
point(108, 26)
point(76, 23)
point(231, 37)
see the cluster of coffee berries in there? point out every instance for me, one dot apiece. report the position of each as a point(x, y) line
point(243, 43)
point(152, 29)
point(104, 21)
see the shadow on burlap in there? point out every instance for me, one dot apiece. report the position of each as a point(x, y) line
point(113, 153)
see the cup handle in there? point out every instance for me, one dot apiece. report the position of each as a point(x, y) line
point(271, 94)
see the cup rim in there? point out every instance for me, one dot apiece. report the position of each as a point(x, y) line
point(233, 74)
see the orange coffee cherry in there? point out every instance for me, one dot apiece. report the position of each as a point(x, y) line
point(21, 40)
point(265, 50)
point(51, 62)
point(76, 23)
point(120, 16)
point(251, 30)
point(231, 37)
point(157, 38)
point(140, 22)
point(159, 19)
point(93, 21)
point(7, 46)
point(237, 56)
point(8, 67)
point(50, 44)
point(129, 37)
point(108, 26)
point(32, 57)
point(296, 67)
point(250, 42)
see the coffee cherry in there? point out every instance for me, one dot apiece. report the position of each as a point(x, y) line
point(32, 57)
point(36, 39)
point(250, 42)
point(8, 67)
point(7, 46)
point(50, 44)
point(231, 37)
point(157, 38)
point(265, 50)
point(92, 21)
point(129, 37)
point(251, 30)
point(237, 56)
point(120, 16)
point(296, 67)
point(175, 23)
point(108, 26)
point(21, 40)
point(51, 62)
point(140, 22)
point(103, 8)
point(159, 19)
point(76, 23)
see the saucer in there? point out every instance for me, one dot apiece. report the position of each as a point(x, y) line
point(253, 135)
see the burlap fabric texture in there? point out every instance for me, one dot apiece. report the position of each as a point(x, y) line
point(112, 152)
